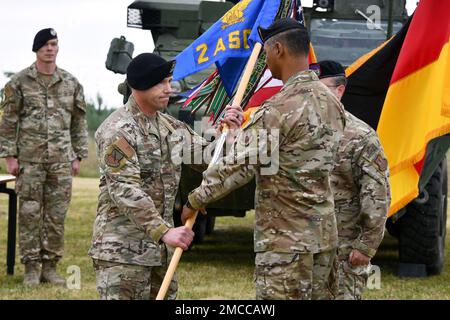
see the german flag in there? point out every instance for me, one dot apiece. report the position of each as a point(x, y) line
point(402, 89)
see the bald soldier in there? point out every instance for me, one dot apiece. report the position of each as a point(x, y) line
point(360, 183)
point(43, 136)
point(295, 235)
point(134, 234)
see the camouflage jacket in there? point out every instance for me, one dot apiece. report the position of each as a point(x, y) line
point(294, 208)
point(139, 181)
point(360, 183)
point(43, 124)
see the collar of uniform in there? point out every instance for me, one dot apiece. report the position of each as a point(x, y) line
point(152, 125)
point(137, 114)
point(163, 130)
point(302, 76)
point(145, 124)
point(33, 73)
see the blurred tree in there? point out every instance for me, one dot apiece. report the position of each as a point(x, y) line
point(96, 113)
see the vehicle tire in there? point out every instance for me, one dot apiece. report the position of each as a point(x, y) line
point(210, 223)
point(199, 229)
point(422, 229)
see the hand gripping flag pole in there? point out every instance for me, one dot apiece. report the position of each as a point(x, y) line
point(217, 152)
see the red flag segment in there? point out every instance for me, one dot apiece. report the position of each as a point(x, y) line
point(428, 33)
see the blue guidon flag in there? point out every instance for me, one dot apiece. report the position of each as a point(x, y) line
point(229, 42)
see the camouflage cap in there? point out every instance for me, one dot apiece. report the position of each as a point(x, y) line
point(147, 70)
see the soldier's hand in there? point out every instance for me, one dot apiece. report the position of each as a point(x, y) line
point(178, 237)
point(12, 166)
point(358, 258)
point(188, 212)
point(75, 167)
point(234, 116)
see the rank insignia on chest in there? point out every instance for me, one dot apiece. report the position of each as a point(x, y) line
point(246, 138)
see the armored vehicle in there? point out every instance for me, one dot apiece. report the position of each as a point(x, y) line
point(341, 30)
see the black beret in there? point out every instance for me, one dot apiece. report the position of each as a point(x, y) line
point(41, 38)
point(279, 26)
point(328, 68)
point(147, 70)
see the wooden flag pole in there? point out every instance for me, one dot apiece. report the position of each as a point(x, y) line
point(247, 73)
point(217, 152)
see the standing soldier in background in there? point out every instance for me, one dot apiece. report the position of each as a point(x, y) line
point(295, 236)
point(360, 183)
point(43, 136)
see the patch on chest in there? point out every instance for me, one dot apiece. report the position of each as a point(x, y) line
point(246, 138)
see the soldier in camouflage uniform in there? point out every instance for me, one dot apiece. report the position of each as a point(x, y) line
point(360, 183)
point(43, 136)
point(295, 236)
point(133, 236)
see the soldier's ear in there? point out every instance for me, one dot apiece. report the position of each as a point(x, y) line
point(341, 89)
point(278, 49)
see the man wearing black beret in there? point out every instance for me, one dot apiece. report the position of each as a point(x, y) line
point(140, 164)
point(43, 136)
point(360, 183)
point(295, 235)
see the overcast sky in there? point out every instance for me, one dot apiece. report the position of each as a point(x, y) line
point(85, 29)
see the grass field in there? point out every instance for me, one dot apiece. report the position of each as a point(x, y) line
point(219, 268)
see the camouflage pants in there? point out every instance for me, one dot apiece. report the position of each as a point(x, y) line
point(117, 281)
point(352, 280)
point(44, 192)
point(295, 276)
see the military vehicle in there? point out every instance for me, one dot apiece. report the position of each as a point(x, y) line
point(340, 30)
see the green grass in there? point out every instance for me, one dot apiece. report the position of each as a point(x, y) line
point(89, 166)
point(219, 268)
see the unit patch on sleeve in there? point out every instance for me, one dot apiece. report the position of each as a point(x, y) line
point(117, 154)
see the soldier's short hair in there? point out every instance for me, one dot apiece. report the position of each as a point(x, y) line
point(340, 80)
point(296, 40)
